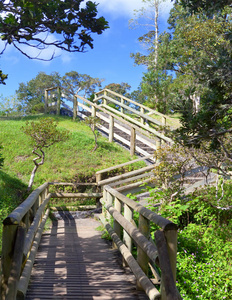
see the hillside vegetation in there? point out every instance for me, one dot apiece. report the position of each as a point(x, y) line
point(69, 161)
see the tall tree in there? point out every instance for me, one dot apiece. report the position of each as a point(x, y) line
point(29, 22)
point(152, 86)
point(31, 94)
point(74, 83)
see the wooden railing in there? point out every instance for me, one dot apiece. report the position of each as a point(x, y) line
point(125, 104)
point(131, 129)
point(124, 233)
point(22, 231)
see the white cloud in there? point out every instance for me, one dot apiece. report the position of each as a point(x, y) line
point(126, 7)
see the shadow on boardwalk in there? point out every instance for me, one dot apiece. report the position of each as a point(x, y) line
point(73, 262)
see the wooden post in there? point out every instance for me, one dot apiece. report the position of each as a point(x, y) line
point(98, 177)
point(8, 241)
point(142, 118)
point(132, 141)
point(16, 264)
point(93, 111)
point(111, 129)
point(58, 101)
point(171, 238)
point(117, 226)
point(142, 258)
point(164, 121)
point(158, 144)
point(46, 101)
point(110, 199)
point(168, 286)
point(74, 108)
point(127, 240)
point(122, 109)
point(104, 99)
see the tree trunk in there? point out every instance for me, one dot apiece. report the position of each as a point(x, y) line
point(31, 181)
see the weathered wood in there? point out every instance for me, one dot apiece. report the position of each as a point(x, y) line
point(25, 277)
point(46, 101)
point(148, 175)
point(74, 107)
point(34, 226)
point(146, 284)
point(132, 141)
point(111, 129)
point(143, 129)
point(126, 175)
point(116, 225)
point(153, 217)
point(128, 215)
point(150, 110)
point(137, 236)
point(169, 292)
point(76, 195)
point(75, 185)
point(58, 101)
point(16, 264)
point(8, 240)
point(142, 257)
point(16, 216)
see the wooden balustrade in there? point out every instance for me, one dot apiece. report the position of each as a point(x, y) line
point(124, 233)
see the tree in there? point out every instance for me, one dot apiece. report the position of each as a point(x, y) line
point(208, 6)
point(43, 134)
point(10, 106)
point(153, 84)
point(120, 88)
point(31, 94)
point(201, 54)
point(73, 83)
point(31, 22)
point(92, 122)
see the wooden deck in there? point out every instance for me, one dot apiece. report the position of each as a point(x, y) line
point(73, 262)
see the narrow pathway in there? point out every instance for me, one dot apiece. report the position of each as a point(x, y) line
point(73, 262)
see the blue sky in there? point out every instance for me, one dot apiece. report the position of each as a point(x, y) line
point(109, 60)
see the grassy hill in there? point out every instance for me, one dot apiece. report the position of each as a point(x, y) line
point(70, 161)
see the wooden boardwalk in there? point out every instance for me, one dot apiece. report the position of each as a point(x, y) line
point(73, 262)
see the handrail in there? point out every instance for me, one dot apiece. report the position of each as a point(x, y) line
point(150, 110)
point(120, 209)
point(22, 230)
point(26, 221)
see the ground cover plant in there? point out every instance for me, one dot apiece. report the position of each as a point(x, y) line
point(69, 161)
point(204, 254)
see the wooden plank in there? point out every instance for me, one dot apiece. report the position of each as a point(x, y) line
point(146, 284)
point(74, 262)
point(76, 195)
point(126, 175)
point(124, 164)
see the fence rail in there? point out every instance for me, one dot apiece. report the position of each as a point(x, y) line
point(120, 209)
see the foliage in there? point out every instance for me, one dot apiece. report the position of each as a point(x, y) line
point(92, 122)
point(208, 6)
point(31, 94)
point(30, 23)
point(43, 134)
point(73, 83)
point(204, 245)
point(10, 106)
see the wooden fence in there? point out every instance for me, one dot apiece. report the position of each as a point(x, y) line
point(120, 209)
point(137, 130)
point(22, 231)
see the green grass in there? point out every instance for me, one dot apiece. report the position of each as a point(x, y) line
point(69, 161)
